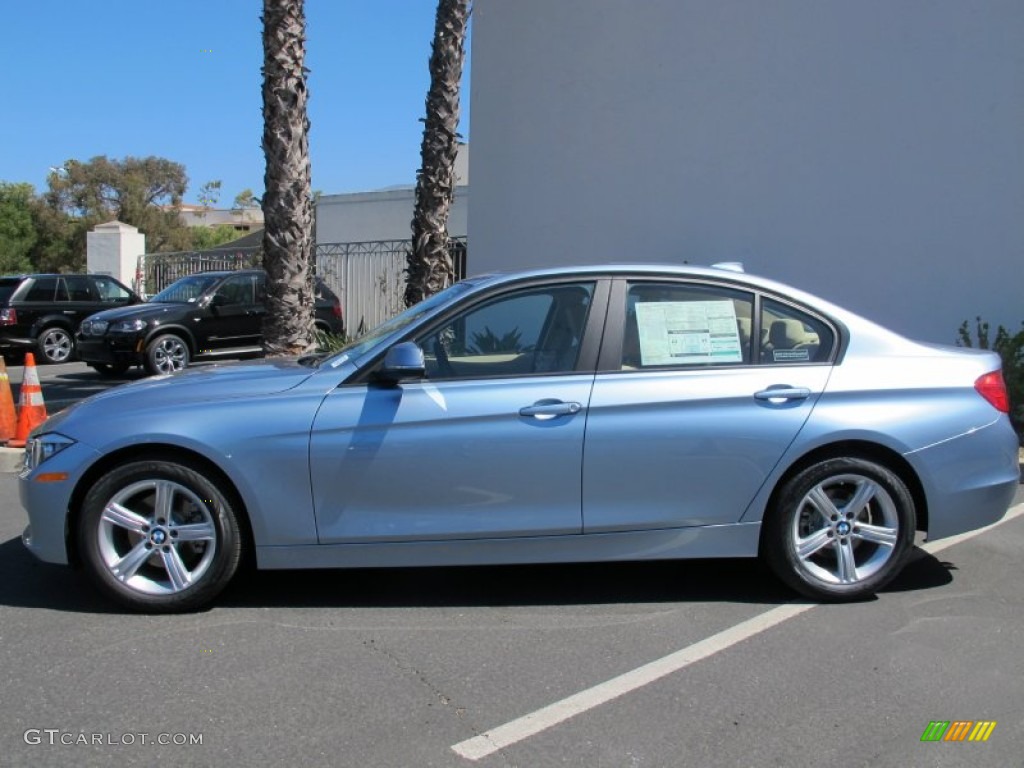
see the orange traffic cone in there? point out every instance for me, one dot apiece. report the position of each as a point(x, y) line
point(8, 418)
point(32, 411)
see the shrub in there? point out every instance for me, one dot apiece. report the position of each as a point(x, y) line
point(329, 343)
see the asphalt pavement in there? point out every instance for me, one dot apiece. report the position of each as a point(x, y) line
point(401, 667)
point(701, 663)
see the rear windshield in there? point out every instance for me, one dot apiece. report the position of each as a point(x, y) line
point(8, 285)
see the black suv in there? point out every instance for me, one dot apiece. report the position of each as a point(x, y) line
point(202, 316)
point(41, 312)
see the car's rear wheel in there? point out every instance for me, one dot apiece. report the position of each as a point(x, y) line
point(840, 529)
point(110, 369)
point(167, 354)
point(159, 536)
point(55, 345)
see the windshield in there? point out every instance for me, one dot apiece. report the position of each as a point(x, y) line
point(363, 344)
point(186, 290)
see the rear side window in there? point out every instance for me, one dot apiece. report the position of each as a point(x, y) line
point(670, 324)
point(43, 289)
point(789, 335)
point(76, 288)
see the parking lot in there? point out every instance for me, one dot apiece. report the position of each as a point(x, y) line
point(524, 666)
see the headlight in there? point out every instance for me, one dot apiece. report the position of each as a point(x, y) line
point(42, 447)
point(128, 326)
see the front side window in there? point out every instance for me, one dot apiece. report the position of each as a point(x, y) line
point(111, 291)
point(239, 289)
point(533, 331)
point(671, 324)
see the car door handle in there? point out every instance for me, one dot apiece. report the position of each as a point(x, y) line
point(783, 393)
point(548, 409)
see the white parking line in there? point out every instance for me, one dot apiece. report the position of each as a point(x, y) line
point(529, 725)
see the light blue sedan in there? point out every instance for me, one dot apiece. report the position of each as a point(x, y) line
point(587, 414)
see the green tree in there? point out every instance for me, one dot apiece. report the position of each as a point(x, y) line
point(209, 194)
point(145, 192)
point(54, 249)
point(287, 205)
point(245, 199)
point(430, 267)
point(17, 230)
point(204, 238)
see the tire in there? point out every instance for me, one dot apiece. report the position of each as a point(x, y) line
point(840, 530)
point(112, 370)
point(167, 353)
point(55, 345)
point(159, 537)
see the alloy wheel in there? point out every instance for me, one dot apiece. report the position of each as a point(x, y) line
point(156, 537)
point(845, 530)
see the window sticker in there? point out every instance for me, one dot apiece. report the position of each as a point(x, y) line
point(791, 355)
point(684, 332)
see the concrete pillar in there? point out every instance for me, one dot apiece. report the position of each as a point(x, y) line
point(114, 249)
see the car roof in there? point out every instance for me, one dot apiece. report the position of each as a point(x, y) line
point(26, 275)
point(728, 274)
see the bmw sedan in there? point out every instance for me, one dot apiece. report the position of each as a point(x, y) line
point(587, 414)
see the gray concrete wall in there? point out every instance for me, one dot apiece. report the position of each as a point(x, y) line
point(869, 151)
point(386, 215)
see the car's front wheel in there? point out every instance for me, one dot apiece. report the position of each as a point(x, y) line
point(167, 354)
point(55, 345)
point(159, 536)
point(840, 529)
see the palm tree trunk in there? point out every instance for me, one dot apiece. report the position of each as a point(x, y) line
point(430, 266)
point(287, 205)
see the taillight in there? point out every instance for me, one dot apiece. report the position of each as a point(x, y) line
point(992, 387)
point(336, 309)
point(8, 317)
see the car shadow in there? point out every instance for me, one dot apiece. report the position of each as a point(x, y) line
point(27, 583)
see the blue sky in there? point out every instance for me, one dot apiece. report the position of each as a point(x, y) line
point(181, 80)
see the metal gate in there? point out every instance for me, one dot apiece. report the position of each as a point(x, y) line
point(369, 277)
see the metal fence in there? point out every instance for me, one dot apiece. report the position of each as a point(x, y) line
point(368, 277)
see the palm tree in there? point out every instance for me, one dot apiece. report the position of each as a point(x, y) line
point(430, 266)
point(287, 204)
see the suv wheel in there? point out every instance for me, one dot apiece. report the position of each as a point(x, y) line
point(55, 345)
point(167, 354)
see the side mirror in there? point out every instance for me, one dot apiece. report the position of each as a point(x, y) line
point(401, 362)
point(218, 300)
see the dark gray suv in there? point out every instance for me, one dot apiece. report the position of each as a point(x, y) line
point(40, 313)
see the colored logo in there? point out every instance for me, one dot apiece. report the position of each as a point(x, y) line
point(958, 730)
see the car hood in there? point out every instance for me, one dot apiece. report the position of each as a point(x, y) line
point(207, 384)
point(145, 311)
